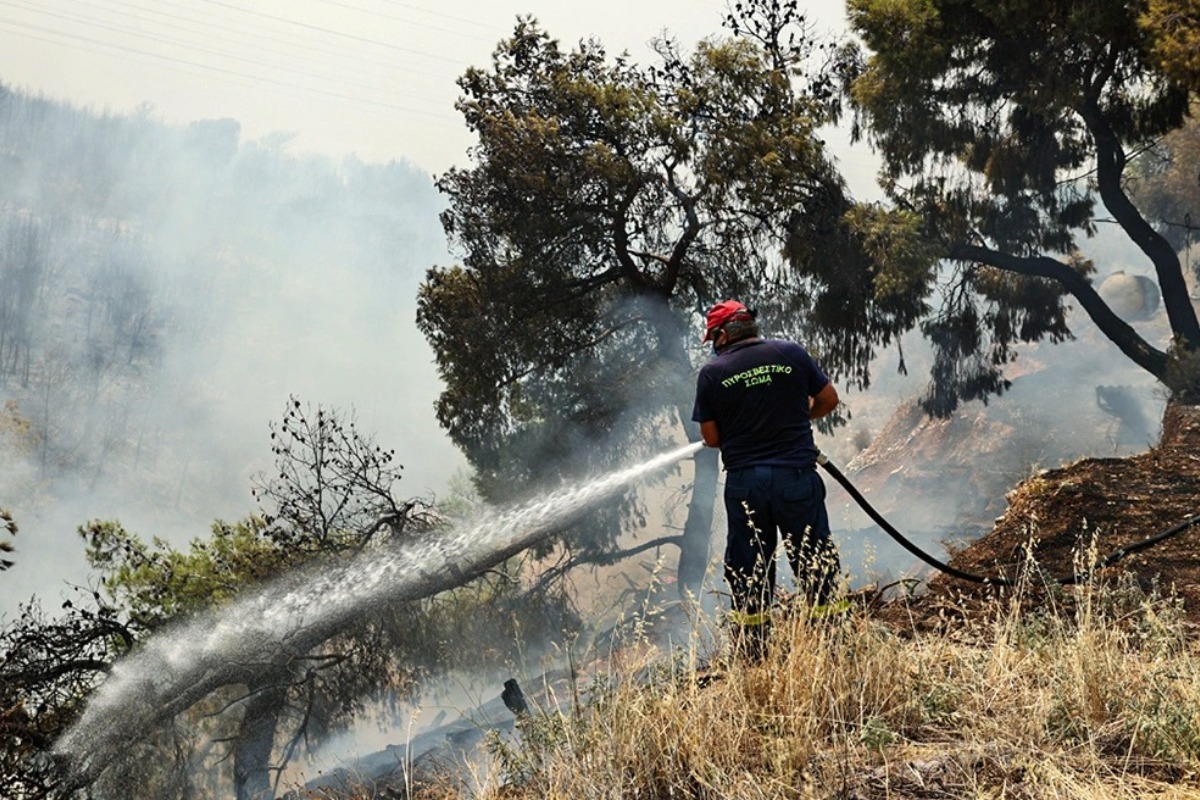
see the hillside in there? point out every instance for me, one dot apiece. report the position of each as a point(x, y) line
point(1073, 515)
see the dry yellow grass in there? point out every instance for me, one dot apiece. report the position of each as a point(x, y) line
point(1103, 704)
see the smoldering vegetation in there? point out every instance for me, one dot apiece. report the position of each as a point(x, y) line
point(163, 290)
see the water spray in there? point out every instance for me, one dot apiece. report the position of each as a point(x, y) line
point(255, 634)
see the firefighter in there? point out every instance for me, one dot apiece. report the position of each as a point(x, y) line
point(756, 401)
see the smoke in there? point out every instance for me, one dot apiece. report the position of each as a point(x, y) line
point(186, 282)
point(163, 291)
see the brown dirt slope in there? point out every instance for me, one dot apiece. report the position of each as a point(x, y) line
point(1111, 502)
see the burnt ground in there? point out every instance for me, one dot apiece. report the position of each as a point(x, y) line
point(1055, 517)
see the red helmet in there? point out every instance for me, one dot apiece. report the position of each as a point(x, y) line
point(723, 312)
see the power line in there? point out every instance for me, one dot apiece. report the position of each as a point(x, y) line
point(198, 48)
point(258, 35)
point(210, 68)
point(442, 14)
point(331, 31)
point(86, 49)
point(405, 21)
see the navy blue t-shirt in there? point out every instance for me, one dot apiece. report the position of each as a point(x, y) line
point(757, 392)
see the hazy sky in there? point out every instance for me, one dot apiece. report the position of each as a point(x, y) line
point(371, 77)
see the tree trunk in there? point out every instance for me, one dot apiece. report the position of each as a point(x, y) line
point(1118, 331)
point(255, 740)
point(697, 529)
point(1111, 161)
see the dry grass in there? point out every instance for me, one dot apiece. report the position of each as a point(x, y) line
point(1102, 704)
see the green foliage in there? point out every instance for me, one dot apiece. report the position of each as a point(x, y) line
point(156, 582)
point(1002, 124)
point(1165, 183)
point(330, 498)
point(876, 735)
point(331, 492)
point(1164, 720)
point(1003, 87)
point(873, 276)
point(609, 204)
point(48, 666)
point(520, 762)
point(1174, 29)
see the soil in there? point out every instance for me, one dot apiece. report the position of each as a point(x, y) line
point(1063, 520)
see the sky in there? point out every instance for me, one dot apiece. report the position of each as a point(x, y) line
point(375, 78)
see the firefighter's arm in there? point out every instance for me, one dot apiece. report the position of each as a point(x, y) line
point(823, 402)
point(710, 434)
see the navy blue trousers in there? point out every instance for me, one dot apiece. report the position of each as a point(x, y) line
point(764, 504)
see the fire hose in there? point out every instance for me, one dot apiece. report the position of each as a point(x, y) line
point(995, 580)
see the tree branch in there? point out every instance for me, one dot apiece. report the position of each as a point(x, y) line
point(606, 557)
point(1110, 164)
point(621, 244)
point(680, 250)
point(1120, 332)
